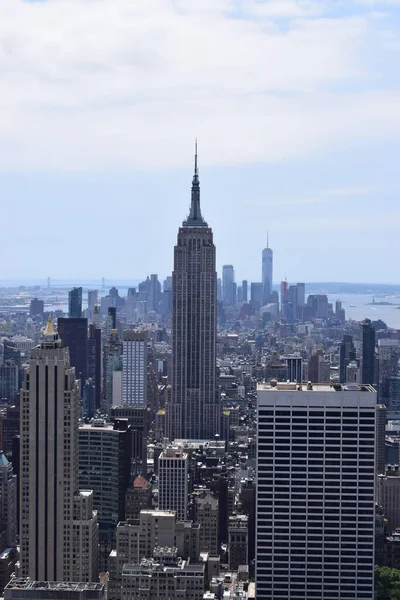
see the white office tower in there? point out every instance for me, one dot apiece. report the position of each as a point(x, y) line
point(315, 492)
point(173, 473)
point(49, 465)
point(134, 368)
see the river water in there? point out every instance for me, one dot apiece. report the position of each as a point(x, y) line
point(358, 307)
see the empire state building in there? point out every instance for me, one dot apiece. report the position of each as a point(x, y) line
point(194, 409)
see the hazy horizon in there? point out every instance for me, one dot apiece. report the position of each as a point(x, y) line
point(297, 115)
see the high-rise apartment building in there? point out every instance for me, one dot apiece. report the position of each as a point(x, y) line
point(134, 368)
point(75, 303)
point(266, 273)
point(228, 285)
point(173, 487)
point(49, 538)
point(368, 353)
point(194, 409)
point(315, 492)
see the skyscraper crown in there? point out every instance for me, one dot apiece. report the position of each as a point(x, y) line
point(195, 218)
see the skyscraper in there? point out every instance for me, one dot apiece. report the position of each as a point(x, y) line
point(228, 285)
point(73, 333)
point(347, 354)
point(134, 368)
point(93, 298)
point(75, 303)
point(50, 529)
point(267, 260)
point(244, 290)
point(315, 492)
point(368, 353)
point(173, 487)
point(194, 409)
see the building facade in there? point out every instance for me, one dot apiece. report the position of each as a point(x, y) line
point(134, 368)
point(173, 487)
point(194, 409)
point(49, 463)
point(315, 492)
point(368, 353)
point(266, 272)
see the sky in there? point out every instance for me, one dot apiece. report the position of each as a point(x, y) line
point(295, 105)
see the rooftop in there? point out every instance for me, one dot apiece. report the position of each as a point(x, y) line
point(283, 386)
point(24, 583)
point(141, 482)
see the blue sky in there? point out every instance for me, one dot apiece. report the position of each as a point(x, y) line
point(296, 105)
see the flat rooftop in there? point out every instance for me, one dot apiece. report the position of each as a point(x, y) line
point(24, 583)
point(282, 386)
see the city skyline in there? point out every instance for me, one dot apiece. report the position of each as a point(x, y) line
point(111, 141)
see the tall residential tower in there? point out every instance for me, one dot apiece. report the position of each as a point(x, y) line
point(194, 409)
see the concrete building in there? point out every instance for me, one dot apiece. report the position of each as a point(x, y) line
point(166, 576)
point(138, 497)
point(206, 513)
point(380, 438)
point(105, 456)
point(85, 531)
point(389, 496)
point(137, 538)
point(20, 588)
point(315, 492)
point(49, 464)
point(194, 409)
point(294, 368)
point(8, 502)
point(173, 486)
point(238, 541)
point(134, 368)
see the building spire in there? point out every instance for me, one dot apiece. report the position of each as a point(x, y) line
point(195, 218)
point(196, 171)
point(267, 238)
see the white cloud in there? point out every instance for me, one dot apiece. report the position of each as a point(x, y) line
point(116, 83)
